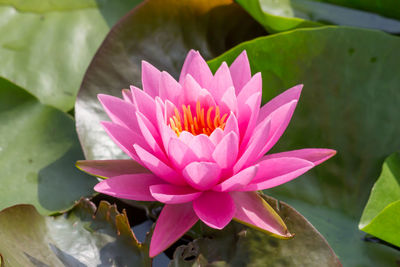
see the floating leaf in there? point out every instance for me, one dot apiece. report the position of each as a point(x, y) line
point(46, 45)
point(238, 245)
point(38, 150)
point(83, 237)
point(381, 216)
point(350, 102)
point(278, 16)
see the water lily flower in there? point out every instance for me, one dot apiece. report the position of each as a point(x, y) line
point(198, 145)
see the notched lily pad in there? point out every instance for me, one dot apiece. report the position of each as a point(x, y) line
point(238, 245)
point(381, 216)
point(82, 237)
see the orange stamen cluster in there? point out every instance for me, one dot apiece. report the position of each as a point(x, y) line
point(201, 122)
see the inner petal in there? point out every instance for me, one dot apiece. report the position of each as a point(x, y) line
point(197, 120)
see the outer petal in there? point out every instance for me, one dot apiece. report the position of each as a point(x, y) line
point(277, 171)
point(174, 221)
point(280, 119)
point(238, 181)
point(145, 104)
point(158, 167)
point(216, 209)
point(280, 100)
point(150, 79)
point(119, 111)
point(172, 194)
point(240, 71)
point(315, 155)
point(196, 66)
point(124, 138)
point(169, 88)
point(202, 175)
point(247, 115)
point(127, 95)
point(110, 168)
point(226, 151)
point(151, 135)
point(255, 212)
point(129, 186)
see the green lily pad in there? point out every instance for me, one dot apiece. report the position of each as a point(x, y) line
point(278, 16)
point(381, 216)
point(350, 102)
point(46, 45)
point(160, 32)
point(38, 150)
point(237, 245)
point(83, 237)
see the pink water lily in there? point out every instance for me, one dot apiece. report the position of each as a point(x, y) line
point(198, 145)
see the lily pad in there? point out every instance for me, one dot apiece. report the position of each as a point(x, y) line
point(350, 103)
point(278, 16)
point(381, 216)
point(38, 150)
point(83, 237)
point(46, 45)
point(237, 245)
point(160, 32)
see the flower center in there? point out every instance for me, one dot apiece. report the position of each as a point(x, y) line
point(199, 122)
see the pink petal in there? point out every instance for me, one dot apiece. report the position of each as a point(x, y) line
point(315, 155)
point(221, 81)
point(280, 119)
point(254, 211)
point(216, 136)
point(119, 111)
point(249, 100)
point(186, 137)
point(280, 100)
point(172, 194)
point(150, 134)
point(232, 125)
point(238, 181)
point(166, 132)
point(197, 67)
point(202, 175)
point(124, 138)
point(226, 151)
point(174, 221)
point(228, 102)
point(216, 209)
point(110, 168)
point(169, 88)
point(150, 79)
point(247, 116)
point(127, 95)
point(145, 104)
point(202, 147)
point(276, 171)
point(240, 71)
point(256, 143)
point(180, 154)
point(158, 167)
point(191, 90)
point(129, 186)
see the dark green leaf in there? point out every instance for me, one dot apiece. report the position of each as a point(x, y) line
point(38, 151)
point(238, 245)
point(83, 237)
point(46, 45)
point(381, 216)
point(350, 102)
point(160, 32)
